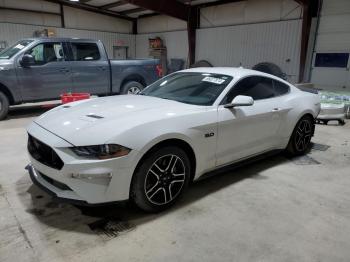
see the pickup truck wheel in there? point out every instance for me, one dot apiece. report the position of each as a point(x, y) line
point(4, 106)
point(132, 88)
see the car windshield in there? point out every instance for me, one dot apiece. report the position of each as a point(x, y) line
point(190, 88)
point(12, 50)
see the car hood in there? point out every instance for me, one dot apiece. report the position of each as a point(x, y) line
point(5, 64)
point(100, 119)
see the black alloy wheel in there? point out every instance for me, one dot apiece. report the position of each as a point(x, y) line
point(160, 179)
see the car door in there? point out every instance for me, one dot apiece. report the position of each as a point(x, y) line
point(49, 77)
point(247, 130)
point(90, 68)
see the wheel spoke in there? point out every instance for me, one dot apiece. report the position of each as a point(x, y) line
point(177, 181)
point(152, 189)
point(165, 196)
point(178, 175)
point(154, 173)
point(171, 163)
point(298, 141)
point(300, 134)
point(159, 169)
point(162, 184)
point(156, 191)
point(170, 194)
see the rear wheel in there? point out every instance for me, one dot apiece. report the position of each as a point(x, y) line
point(132, 88)
point(301, 137)
point(161, 179)
point(4, 106)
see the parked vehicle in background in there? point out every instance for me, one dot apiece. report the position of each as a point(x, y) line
point(41, 69)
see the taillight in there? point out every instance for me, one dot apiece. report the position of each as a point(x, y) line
point(159, 70)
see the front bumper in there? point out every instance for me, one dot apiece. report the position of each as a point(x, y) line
point(81, 181)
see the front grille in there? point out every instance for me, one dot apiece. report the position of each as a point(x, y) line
point(55, 183)
point(43, 153)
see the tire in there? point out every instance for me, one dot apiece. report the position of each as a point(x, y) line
point(4, 106)
point(161, 179)
point(300, 139)
point(271, 69)
point(132, 87)
point(201, 63)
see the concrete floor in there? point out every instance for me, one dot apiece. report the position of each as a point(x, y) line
point(276, 209)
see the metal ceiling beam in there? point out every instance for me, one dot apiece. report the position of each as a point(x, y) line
point(305, 35)
point(220, 2)
point(148, 15)
point(167, 7)
point(27, 10)
point(90, 8)
point(192, 25)
point(132, 11)
point(63, 22)
point(114, 4)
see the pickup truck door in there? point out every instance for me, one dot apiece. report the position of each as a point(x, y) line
point(49, 77)
point(90, 68)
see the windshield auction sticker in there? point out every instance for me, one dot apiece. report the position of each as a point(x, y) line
point(213, 80)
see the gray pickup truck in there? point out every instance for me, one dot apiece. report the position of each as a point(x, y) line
point(42, 69)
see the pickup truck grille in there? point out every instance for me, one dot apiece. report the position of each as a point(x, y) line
point(43, 153)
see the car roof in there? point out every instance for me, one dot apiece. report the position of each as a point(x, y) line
point(236, 72)
point(53, 39)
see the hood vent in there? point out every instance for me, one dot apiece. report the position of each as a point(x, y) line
point(95, 116)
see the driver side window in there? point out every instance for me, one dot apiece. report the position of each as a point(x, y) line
point(256, 87)
point(47, 52)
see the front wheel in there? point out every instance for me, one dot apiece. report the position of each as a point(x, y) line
point(132, 88)
point(161, 179)
point(301, 137)
point(4, 106)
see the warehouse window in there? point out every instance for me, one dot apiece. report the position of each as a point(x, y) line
point(48, 52)
point(256, 87)
point(332, 60)
point(85, 51)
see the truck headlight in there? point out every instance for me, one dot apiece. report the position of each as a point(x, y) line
point(101, 151)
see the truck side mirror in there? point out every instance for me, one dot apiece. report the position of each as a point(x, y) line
point(27, 60)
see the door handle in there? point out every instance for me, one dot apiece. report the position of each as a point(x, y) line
point(102, 68)
point(64, 70)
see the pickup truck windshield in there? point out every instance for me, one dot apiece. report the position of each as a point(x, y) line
point(12, 50)
point(190, 88)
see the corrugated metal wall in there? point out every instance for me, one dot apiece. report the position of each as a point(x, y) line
point(14, 32)
point(176, 43)
point(247, 45)
point(74, 18)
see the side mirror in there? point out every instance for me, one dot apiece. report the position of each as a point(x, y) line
point(27, 60)
point(240, 101)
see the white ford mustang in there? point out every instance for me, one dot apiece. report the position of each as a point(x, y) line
point(149, 147)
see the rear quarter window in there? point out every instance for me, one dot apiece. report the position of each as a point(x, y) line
point(280, 88)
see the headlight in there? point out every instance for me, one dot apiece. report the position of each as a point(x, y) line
point(101, 151)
